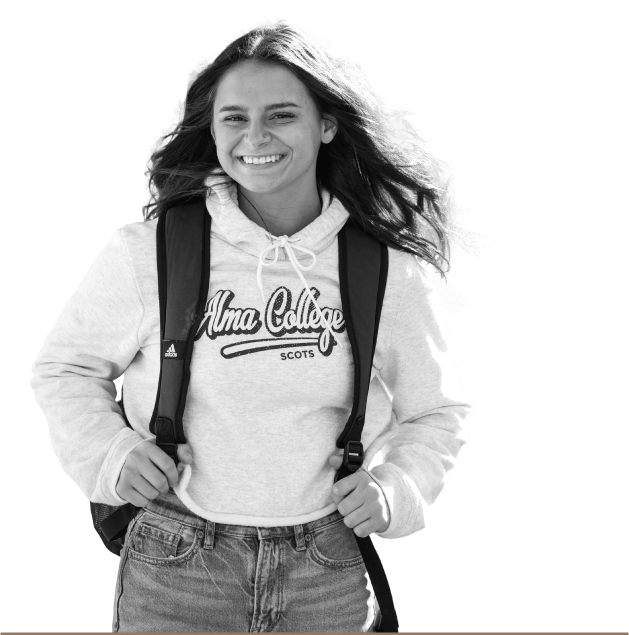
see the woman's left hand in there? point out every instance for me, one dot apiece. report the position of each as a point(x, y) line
point(361, 500)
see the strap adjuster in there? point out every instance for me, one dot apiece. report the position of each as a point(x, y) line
point(353, 455)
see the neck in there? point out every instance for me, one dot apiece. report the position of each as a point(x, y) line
point(276, 213)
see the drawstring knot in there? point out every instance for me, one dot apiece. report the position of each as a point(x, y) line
point(288, 244)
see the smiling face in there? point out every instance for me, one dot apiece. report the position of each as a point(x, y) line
point(263, 110)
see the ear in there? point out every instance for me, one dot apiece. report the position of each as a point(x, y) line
point(329, 126)
point(212, 131)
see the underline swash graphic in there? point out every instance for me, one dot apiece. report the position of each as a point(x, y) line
point(255, 346)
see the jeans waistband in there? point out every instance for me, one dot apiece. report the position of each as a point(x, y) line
point(170, 506)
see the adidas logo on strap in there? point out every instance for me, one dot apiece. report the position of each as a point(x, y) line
point(171, 352)
point(173, 349)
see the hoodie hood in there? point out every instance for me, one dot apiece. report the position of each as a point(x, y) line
point(232, 225)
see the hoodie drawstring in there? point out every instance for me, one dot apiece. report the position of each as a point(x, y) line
point(286, 243)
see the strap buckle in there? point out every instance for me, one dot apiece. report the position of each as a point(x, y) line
point(353, 455)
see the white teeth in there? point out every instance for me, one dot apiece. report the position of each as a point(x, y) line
point(257, 160)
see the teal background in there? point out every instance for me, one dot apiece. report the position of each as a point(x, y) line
point(526, 103)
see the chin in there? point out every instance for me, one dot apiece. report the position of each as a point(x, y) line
point(260, 186)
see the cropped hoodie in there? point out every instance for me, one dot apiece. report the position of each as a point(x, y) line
point(262, 420)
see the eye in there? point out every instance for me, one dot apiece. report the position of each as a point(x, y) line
point(281, 115)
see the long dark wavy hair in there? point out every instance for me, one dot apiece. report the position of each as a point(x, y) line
point(376, 164)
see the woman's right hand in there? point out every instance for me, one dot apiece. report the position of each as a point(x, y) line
point(148, 472)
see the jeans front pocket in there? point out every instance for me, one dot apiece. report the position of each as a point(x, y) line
point(335, 546)
point(161, 540)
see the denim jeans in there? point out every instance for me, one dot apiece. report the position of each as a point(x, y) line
point(182, 573)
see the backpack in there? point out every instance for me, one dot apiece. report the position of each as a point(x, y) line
point(183, 269)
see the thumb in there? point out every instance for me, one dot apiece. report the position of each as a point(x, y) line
point(184, 453)
point(336, 460)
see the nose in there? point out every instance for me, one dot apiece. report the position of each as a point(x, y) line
point(256, 133)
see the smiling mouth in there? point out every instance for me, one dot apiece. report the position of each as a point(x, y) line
point(262, 165)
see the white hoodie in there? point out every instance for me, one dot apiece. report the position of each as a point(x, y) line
point(262, 422)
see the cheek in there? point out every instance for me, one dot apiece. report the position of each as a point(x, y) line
point(225, 153)
point(311, 140)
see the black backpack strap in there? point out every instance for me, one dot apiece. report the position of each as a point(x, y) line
point(363, 269)
point(183, 273)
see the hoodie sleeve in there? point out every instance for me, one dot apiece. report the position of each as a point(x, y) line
point(420, 374)
point(91, 344)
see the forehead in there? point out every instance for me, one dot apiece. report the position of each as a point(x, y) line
point(254, 84)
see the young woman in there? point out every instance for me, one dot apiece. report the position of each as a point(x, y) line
point(285, 144)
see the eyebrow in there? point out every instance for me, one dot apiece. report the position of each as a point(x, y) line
point(281, 104)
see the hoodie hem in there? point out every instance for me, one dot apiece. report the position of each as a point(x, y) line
point(253, 521)
point(242, 519)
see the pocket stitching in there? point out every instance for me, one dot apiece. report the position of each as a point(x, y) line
point(192, 550)
point(318, 557)
point(136, 555)
point(172, 539)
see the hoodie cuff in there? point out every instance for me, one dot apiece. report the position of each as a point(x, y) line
point(126, 441)
point(392, 482)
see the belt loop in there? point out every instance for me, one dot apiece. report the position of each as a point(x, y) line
point(210, 527)
point(299, 537)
